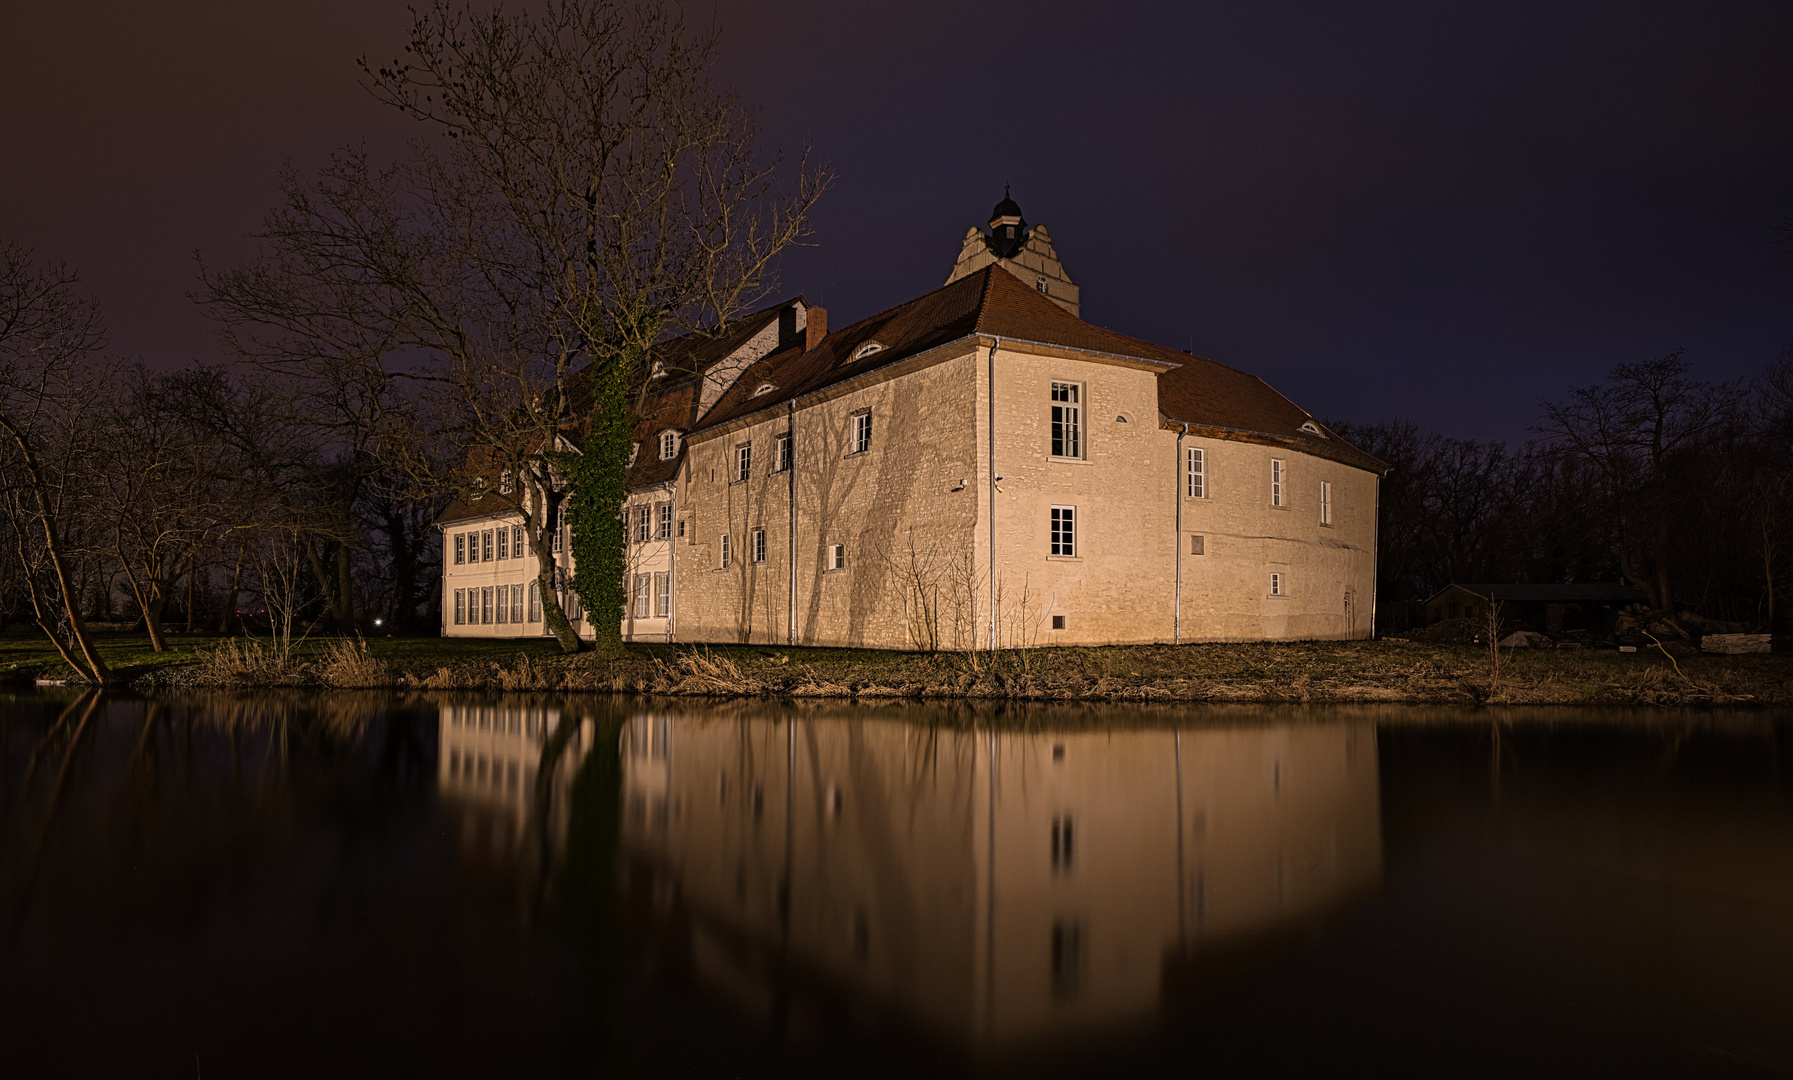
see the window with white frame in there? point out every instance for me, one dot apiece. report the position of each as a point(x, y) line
point(1067, 420)
point(1279, 585)
point(1198, 473)
point(504, 543)
point(516, 603)
point(460, 548)
point(663, 521)
point(781, 455)
point(644, 523)
point(485, 606)
point(504, 604)
point(1064, 530)
point(669, 445)
point(486, 543)
point(557, 540)
point(757, 545)
point(535, 601)
point(516, 541)
point(861, 434)
point(662, 595)
point(837, 556)
point(724, 552)
point(644, 584)
point(504, 482)
point(743, 461)
point(1276, 481)
point(460, 607)
point(1325, 502)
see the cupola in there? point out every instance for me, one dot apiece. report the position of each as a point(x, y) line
point(1008, 229)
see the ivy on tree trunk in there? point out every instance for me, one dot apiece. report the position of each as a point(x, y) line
point(600, 484)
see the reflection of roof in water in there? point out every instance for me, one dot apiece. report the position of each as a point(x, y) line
point(996, 889)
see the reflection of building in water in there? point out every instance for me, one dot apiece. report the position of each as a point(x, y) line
point(995, 887)
point(489, 756)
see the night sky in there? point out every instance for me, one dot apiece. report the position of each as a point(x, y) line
point(1424, 210)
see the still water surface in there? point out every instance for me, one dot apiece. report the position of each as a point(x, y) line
point(304, 885)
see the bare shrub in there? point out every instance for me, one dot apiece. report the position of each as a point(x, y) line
point(247, 663)
point(349, 664)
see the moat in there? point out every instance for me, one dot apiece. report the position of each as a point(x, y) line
point(303, 884)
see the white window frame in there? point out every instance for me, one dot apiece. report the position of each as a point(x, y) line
point(662, 595)
point(1279, 584)
point(1326, 502)
point(1276, 481)
point(1063, 532)
point(743, 462)
point(663, 521)
point(501, 607)
point(756, 546)
point(485, 606)
point(535, 601)
point(485, 544)
point(669, 445)
point(837, 557)
point(643, 596)
point(517, 604)
point(517, 541)
point(460, 607)
point(860, 433)
point(781, 453)
point(644, 523)
point(724, 553)
point(460, 548)
point(1066, 441)
point(1196, 469)
point(504, 542)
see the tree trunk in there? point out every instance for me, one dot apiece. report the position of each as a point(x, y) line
point(96, 668)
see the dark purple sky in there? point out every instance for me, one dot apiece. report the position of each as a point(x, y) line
point(1385, 209)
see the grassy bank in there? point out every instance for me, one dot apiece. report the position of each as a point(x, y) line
point(1380, 671)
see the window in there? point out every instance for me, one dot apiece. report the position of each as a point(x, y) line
point(460, 549)
point(644, 584)
point(1067, 420)
point(862, 433)
point(781, 454)
point(460, 606)
point(644, 523)
point(1276, 481)
point(504, 482)
point(1064, 530)
point(557, 532)
point(516, 541)
point(1311, 428)
point(486, 543)
point(485, 605)
point(1040, 284)
point(743, 461)
point(1198, 473)
point(504, 543)
point(504, 603)
point(763, 389)
point(516, 603)
point(1325, 502)
point(867, 349)
point(669, 445)
point(1277, 585)
point(535, 602)
point(1058, 622)
point(1198, 545)
point(756, 544)
point(837, 556)
point(574, 611)
point(662, 595)
point(663, 521)
point(723, 547)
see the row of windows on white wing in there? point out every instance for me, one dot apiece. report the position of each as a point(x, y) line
point(488, 545)
point(505, 604)
point(648, 523)
point(1196, 486)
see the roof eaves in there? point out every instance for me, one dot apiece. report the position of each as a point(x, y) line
point(1323, 449)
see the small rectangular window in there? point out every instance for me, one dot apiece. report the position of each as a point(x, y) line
point(1198, 473)
point(1276, 481)
point(757, 542)
point(781, 458)
point(669, 445)
point(485, 603)
point(1277, 587)
point(1064, 530)
point(516, 541)
point(504, 543)
point(862, 432)
point(723, 547)
point(837, 556)
point(1198, 545)
point(486, 544)
point(535, 602)
point(516, 603)
point(644, 584)
point(663, 521)
point(557, 533)
point(1325, 502)
point(1067, 420)
point(504, 482)
point(460, 607)
point(662, 595)
point(743, 461)
point(1058, 622)
point(644, 523)
point(460, 548)
point(504, 601)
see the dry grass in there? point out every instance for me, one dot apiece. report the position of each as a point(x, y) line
point(247, 663)
point(349, 665)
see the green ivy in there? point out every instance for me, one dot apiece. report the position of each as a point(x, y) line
point(600, 484)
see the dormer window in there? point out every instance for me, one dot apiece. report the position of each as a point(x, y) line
point(504, 482)
point(669, 445)
point(763, 388)
point(867, 349)
point(1311, 428)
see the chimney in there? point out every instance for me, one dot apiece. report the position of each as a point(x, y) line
point(815, 327)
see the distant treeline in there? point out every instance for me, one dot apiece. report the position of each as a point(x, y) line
point(1680, 487)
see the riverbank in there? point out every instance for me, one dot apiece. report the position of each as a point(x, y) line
point(1357, 671)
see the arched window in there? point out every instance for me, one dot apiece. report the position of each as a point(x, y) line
point(867, 349)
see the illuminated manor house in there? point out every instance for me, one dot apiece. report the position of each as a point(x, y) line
point(977, 467)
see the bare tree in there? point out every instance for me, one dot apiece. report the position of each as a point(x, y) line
point(586, 193)
point(48, 338)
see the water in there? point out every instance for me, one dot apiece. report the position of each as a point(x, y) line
point(303, 885)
